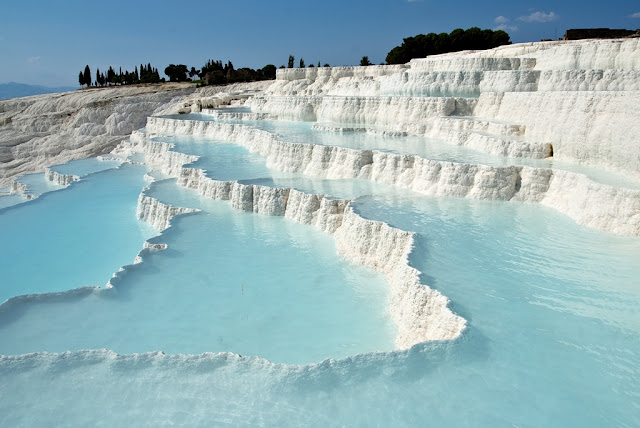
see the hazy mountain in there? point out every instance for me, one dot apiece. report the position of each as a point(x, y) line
point(14, 90)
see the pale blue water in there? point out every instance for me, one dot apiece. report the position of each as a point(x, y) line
point(263, 290)
point(9, 200)
point(82, 167)
point(553, 334)
point(553, 311)
point(229, 162)
point(37, 184)
point(73, 237)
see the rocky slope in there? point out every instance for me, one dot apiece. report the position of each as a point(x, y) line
point(44, 130)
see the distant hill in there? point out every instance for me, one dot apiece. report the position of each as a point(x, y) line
point(14, 90)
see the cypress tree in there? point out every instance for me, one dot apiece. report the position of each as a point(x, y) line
point(111, 76)
point(81, 79)
point(87, 76)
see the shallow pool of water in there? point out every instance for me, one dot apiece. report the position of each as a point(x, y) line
point(429, 148)
point(553, 336)
point(229, 162)
point(229, 281)
point(72, 237)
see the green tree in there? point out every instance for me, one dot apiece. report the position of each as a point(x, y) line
point(176, 73)
point(87, 76)
point(396, 56)
point(422, 45)
point(301, 63)
point(291, 60)
point(365, 61)
point(500, 38)
point(111, 76)
point(215, 77)
point(81, 78)
point(193, 73)
point(269, 71)
point(100, 78)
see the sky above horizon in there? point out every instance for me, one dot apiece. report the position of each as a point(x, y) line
point(49, 43)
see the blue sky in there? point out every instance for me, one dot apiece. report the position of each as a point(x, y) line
point(48, 43)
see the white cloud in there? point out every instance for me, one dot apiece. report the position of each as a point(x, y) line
point(33, 59)
point(633, 15)
point(539, 17)
point(501, 20)
point(505, 27)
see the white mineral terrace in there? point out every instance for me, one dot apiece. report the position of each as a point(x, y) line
point(577, 97)
point(587, 202)
point(572, 101)
point(419, 312)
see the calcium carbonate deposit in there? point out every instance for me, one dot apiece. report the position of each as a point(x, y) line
point(448, 242)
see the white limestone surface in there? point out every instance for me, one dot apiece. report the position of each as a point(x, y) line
point(60, 179)
point(576, 99)
point(211, 97)
point(566, 55)
point(158, 214)
point(51, 129)
point(44, 130)
point(361, 110)
point(425, 176)
point(594, 128)
point(459, 61)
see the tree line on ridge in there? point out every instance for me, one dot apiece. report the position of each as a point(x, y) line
point(218, 73)
point(146, 74)
point(211, 73)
